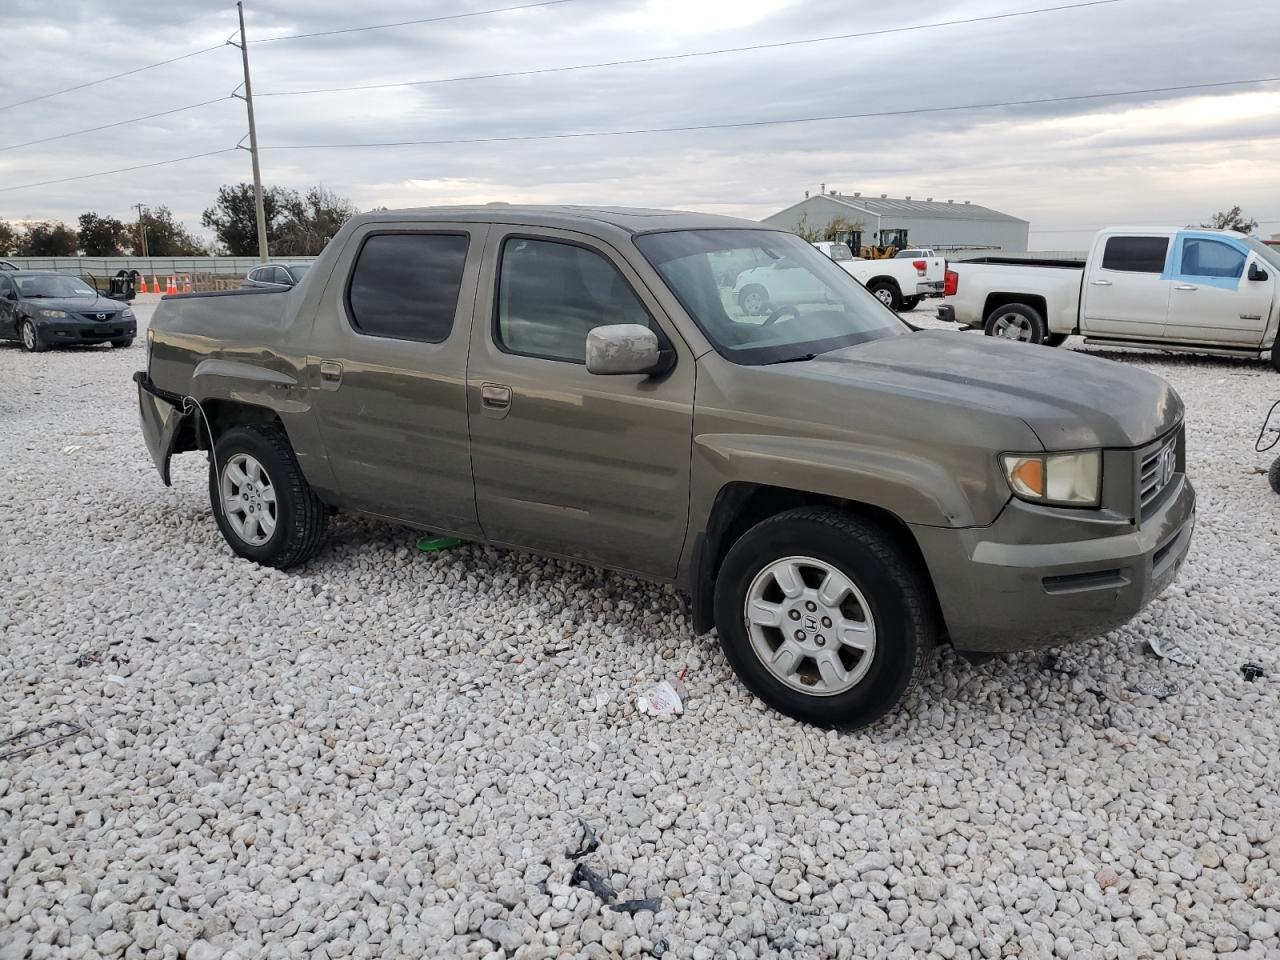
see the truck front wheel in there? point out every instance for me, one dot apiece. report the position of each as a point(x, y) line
point(1016, 321)
point(263, 505)
point(822, 615)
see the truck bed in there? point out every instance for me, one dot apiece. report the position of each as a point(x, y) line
point(1028, 262)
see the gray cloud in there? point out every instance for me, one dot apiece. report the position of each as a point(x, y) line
point(1156, 157)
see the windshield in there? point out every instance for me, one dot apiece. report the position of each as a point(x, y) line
point(840, 252)
point(53, 286)
point(761, 296)
point(1268, 253)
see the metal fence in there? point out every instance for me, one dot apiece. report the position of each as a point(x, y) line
point(149, 266)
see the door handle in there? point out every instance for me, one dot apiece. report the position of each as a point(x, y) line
point(1186, 286)
point(1101, 283)
point(495, 396)
point(330, 374)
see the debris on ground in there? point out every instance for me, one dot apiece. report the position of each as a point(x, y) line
point(590, 842)
point(1161, 691)
point(583, 876)
point(1252, 671)
point(53, 732)
point(664, 699)
point(1053, 663)
point(1163, 646)
point(659, 948)
point(436, 544)
point(653, 904)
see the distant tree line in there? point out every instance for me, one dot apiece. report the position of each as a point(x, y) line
point(298, 225)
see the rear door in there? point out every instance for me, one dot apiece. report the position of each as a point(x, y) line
point(387, 369)
point(1213, 299)
point(567, 462)
point(1126, 291)
point(8, 309)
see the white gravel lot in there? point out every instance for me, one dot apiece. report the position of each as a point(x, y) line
point(387, 754)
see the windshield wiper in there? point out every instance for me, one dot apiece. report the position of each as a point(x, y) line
point(799, 359)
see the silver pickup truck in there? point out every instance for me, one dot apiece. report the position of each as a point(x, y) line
point(837, 492)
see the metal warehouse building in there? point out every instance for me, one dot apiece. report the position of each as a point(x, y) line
point(949, 226)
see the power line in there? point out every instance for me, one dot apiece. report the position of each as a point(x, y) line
point(407, 23)
point(118, 123)
point(114, 76)
point(778, 122)
point(699, 53)
point(104, 173)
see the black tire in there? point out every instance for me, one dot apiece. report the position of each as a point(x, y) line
point(29, 337)
point(1275, 354)
point(122, 342)
point(1273, 475)
point(887, 292)
point(899, 598)
point(301, 518)
point(1038, 330)
point(1055, 339)
point(754, 293)
point(910, 303)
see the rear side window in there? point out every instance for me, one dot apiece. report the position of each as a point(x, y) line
point(1211, 258)
point(551, 295)
point(405, 285)
point(1135, 254)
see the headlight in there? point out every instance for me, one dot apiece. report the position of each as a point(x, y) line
point(1065, 479)
point(127, 314)
point(53, 314)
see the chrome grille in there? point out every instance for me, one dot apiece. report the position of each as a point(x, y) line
point(1156, 473)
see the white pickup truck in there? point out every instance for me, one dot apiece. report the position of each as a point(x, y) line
point(900, 283)
point(1187, 290)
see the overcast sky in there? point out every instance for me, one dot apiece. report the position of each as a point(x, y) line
point(1068, 168)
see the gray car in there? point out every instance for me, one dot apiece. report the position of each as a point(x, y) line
point(837, 492)
point(276, 275)
point(42, 310)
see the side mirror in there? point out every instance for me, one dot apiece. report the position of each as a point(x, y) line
point(622, 348)
point(1257, 273)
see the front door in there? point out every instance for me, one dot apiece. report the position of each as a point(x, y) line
point(1213, 299)
point(8, 309)
point(1126, 291)
point(567, 462)
point(385, 371)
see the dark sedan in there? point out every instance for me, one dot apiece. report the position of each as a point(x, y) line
point(43, 310)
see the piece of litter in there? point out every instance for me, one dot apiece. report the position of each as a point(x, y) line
point(653, 904)
point(57, 730)
point(355, 690)
point(1161, 691)
point(71, 449)
point(664, 699)
point(583, 876)
point(590, 841)
point(436, 544)
point(659, 948)
point(1252, 671)
point(116, 678)
point(1053, 664)
point(1165, 648)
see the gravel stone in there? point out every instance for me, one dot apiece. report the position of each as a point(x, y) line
point(231, 796)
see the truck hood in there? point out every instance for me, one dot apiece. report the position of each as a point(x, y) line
point(1071, 401)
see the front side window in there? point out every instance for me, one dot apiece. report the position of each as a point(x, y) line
point(405, 285)
point(1135, 254)
point(1211, 258)
point(796, 303)
point(551, 295)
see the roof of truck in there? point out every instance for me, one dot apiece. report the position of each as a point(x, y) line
point(628, 219)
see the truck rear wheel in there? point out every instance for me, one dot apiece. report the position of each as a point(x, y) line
point(886, 291)
point(823, 617)
point(1016, 321)
point(263, 505)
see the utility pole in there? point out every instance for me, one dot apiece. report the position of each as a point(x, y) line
point(142, 230)
point(253, 143)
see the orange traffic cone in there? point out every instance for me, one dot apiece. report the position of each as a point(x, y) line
point(172, 287)
point(142, 285)
point(155, 284)
point(186, 287)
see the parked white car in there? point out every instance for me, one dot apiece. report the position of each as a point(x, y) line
point(914, 253)
point(898, 284)
point(1165, 288)
point(763, 291)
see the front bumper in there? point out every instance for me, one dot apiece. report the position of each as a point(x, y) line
point(1000, 590)
point(164, 417)
point(78, 331)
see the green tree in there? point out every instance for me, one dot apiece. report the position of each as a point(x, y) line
point(308, 223)
point(233, 217)
point(1232, 219)
point(166, 237)
point(48, 239)
point(102, 236)
point(8, 239)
